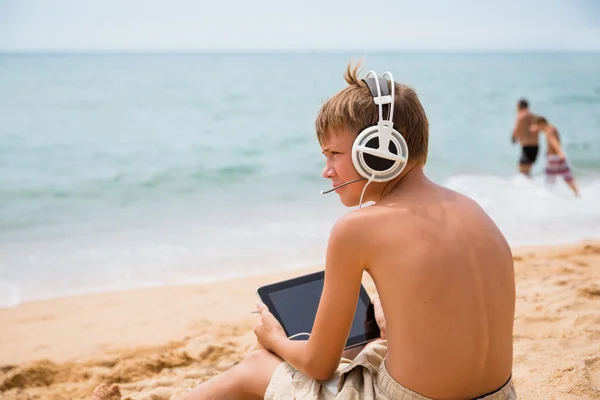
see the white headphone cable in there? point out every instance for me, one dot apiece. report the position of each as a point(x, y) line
point(364, 189)
point(291, 337)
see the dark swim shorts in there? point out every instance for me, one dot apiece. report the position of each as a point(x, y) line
point(529, 154)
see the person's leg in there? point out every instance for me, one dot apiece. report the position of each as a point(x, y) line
point(525, 169)
point(572, 185)
point(246, 380)
point(524, 163)
point(528, 157)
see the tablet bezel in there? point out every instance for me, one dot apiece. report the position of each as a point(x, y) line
point(264, 291)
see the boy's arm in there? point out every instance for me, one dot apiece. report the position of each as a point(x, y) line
point(319, 357)
point(516, 129)
point(380, 319)
point(554, 144)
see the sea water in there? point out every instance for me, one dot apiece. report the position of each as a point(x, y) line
point(120, 171)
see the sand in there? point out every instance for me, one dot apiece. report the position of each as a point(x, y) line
point(155, 343)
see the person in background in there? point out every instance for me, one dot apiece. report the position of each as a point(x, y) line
point(528, 139)
point(557, 164)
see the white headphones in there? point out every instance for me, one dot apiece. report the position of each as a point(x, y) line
point(379, 152)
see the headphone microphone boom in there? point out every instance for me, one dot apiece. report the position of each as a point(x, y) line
point(379, 152)
point(342, 185)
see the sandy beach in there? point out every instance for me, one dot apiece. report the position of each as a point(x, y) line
point(156, 343)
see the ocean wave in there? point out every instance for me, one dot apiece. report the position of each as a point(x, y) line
point(122, 183)
point(531, 212)
point(578, 99)
point(186, 247)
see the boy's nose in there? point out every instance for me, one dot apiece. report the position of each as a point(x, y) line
point(328, 172)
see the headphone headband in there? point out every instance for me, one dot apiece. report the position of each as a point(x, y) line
point(372, 84)
point(380, 91)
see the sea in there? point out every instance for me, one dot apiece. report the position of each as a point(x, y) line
point(130, 170)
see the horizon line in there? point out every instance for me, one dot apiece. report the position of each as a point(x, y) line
point(298, 51)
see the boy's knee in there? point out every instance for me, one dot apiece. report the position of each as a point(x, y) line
point(188, 396)
point(255, 372)
point(257, 358)
point(247, 379)
point(194, 394)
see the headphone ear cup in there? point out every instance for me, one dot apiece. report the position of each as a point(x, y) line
point(381, 169)
point(379, 164)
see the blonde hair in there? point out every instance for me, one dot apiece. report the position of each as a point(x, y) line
point(353, 108)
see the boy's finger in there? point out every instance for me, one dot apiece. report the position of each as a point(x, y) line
point(262, 308)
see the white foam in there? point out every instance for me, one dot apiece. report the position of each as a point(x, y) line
point(10, 295)
point(531, 212)
point(528, 212)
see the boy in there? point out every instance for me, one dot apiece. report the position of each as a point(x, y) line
point(556, 160)
point(527, 138)
point(443, 272)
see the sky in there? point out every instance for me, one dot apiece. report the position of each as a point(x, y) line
point(182, 25)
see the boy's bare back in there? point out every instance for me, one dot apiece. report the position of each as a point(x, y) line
point(444, 275)
point(553, 140)
point(522, 133)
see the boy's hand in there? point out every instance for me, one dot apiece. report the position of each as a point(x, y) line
point(268, 330)
point(379, 318)
point(533, 128)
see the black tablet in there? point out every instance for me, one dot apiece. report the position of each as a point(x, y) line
point(294, 303)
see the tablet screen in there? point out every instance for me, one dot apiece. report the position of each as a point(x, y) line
point(294, 303)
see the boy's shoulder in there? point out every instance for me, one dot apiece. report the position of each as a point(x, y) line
point(363, 224)
point(369, 215)
point(360, 231)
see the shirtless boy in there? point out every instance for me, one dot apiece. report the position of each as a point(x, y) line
point(443, 272)
point(557, 164)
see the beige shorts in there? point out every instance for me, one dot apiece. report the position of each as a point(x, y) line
point(365, 378)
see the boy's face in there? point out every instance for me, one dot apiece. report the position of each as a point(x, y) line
point(339, 167)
